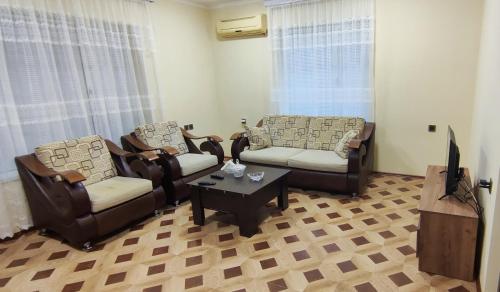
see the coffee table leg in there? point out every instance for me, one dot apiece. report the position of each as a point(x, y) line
point(247, 221)
point(283, 196)
point(198, 210)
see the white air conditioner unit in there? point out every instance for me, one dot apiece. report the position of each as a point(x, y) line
point(242, 27)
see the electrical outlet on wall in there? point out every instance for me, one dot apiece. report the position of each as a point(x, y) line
point(244, 121)
point(191, 126)
point(431, 128)
point(186, 127)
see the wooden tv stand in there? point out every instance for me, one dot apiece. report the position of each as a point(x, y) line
point(446, 238)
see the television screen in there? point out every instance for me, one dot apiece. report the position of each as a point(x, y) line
point(452, 164)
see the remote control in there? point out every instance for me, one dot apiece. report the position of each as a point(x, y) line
point(206, 183)
point(217, 176)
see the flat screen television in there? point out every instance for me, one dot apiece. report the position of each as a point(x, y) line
point(453, 173)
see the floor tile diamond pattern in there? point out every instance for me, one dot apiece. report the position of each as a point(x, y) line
point(322, 242)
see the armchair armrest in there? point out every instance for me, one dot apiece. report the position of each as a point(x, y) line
point(39, 169)
point(136, 143)
point(149, 155)
point(169, 150)
point(146, 150)
point(59, 193)
point(362, 137)
point(213, 138)
point(72, 176)
point(141, 166)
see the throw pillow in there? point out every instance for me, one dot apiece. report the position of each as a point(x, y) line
point(342, 148)
point(258, 137)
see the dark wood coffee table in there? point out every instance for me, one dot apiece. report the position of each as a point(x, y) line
point(240, 196)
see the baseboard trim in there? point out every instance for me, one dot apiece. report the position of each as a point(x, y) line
point(400, 174)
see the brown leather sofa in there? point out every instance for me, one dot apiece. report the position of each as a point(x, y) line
point(351, 180)
point(181, 160)
point(111, 188)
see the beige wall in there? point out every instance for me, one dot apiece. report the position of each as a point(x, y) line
point(185, 65)
point(485, 154)
point(426, 54)
point(242, 70)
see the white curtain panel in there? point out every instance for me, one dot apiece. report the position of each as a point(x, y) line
point(69, 68)
point(322, 54)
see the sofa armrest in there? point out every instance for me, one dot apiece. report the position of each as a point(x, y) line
point(238, 146)
point(362, 137)
point(237, 135)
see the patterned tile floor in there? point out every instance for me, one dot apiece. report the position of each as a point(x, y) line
point(320, 243)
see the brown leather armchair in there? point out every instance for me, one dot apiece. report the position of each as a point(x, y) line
point(181, 168)
point(82, 214)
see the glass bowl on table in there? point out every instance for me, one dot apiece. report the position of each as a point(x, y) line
point(256, 176)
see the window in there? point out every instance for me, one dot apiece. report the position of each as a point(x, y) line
point(323, 58)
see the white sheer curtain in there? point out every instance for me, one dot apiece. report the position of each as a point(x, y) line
point(322, 57)
point(69, 68)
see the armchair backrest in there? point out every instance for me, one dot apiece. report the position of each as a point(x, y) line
point(158, 135)
point(87, 155)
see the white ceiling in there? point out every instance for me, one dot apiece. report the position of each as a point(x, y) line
point(212, 4)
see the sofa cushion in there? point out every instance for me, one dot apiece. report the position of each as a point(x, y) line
point(87, 155)
point(158, 135)
point(321, 160)
point(258, 137)
point(191, 163)
point(325, 132)
point(272, 155)
point(117, 190)
point(287, 131)
point(342, 148)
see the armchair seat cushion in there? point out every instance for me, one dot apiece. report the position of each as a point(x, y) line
point(320, 160)
point(117, 190)
point(272, 155)
point(191, 163)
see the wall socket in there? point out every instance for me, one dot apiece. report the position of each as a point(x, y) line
point(188, 127)
point(243, 121)
point(431, 128)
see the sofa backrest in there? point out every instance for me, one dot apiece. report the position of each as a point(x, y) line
point(87, 155)
point(325, 132)
point(287, 131)
point(158, 135)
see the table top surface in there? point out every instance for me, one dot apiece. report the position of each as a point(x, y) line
point(434, 188)
point(242, 185)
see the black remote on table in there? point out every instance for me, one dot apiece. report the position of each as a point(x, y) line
point(217, 176)
point(206, 183)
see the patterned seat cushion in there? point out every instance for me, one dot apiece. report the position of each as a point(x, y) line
point(287, 131)
point(88, 155)
point(158, 135)
point(326, 132)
